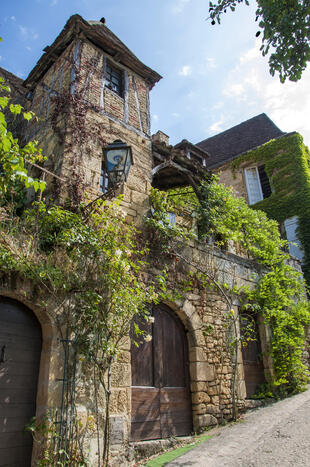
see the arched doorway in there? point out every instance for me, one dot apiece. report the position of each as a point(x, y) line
point(251, 354)
point(161, 402)
point(20, 351)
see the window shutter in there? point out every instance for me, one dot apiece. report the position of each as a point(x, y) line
point(253, 185)
point(264, 181)
point(290, 229)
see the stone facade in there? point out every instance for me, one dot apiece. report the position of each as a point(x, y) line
point(77, 73)
point(235, 179)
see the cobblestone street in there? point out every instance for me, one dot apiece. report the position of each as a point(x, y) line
point(275, 435)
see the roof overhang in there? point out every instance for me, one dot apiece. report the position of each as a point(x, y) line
point(99, 35)
point(173, 169)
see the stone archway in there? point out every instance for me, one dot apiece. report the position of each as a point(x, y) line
point(20, 347)
point(48, 394)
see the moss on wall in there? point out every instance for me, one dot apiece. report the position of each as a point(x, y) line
point(287, 164)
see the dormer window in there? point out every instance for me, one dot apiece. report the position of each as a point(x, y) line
point(114, 79)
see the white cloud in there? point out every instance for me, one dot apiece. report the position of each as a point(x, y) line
point(23, 30)
point(186, 70)
point(28, 48)
point(234, 90)
point(217, 126)
point(28, 33)
point(288, 105)
point(250, 54)
point(250, 88)
point(175, 114)
point(0, 58)
point(218, 105)
point(179, 6)
point(53, 2)
point(155, 117)
point(12, 18)
point(211, 62)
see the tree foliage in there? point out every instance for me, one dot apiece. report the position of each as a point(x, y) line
point(285, 29)
point(14, 175)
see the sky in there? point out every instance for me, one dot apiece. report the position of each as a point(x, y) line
point(213, 76)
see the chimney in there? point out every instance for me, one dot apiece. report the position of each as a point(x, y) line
point(160, 137)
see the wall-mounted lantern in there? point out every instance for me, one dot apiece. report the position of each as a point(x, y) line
point(116, 164)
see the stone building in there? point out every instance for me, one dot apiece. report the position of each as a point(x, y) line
point(271, 170)
point(180, 382)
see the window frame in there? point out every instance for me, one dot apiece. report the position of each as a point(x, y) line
point(103, 179)
point(108, 78)
point(294, 245)
point(248, 187)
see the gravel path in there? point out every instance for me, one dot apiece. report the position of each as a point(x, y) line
point(275, 435)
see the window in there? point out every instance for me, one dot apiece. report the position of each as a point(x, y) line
point(114, 79)
point(104, 181)
point(257, 184)
point(290, 226)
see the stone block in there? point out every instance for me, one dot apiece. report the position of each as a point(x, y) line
point(199, 409)
point(197, 354)
point(201, 371)
point(121, 375)
point(213, 390)
point(212, 409)
point(202, 421)
point(117, 430)
point(200, 397)
point(141, 199)
point(199, 386)
point(119, 402)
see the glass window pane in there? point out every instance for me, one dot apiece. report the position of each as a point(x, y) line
point(253, 185)
point(290, 229)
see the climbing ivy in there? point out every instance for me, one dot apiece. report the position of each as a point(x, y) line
point(90, 264)
point(279, 295)
point(287, 164)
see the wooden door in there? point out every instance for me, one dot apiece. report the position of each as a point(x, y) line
point(20, 350)
point(251, 355)
point(161, 403)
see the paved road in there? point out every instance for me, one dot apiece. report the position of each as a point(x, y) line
point(277, 435)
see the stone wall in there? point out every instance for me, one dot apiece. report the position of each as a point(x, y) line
point(235, 179)
point(204, 314)
point(73, 139)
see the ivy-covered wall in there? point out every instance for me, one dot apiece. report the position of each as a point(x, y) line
point(287, 164)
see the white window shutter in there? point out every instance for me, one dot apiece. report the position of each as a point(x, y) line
point(290, 229)
point(253, 185)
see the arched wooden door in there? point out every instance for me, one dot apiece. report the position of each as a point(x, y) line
point(20, 350)
point(251, 355)
point(161, 401)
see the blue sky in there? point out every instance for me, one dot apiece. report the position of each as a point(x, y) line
point(213, 76)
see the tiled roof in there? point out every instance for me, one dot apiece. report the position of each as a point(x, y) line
point(102, 37)
point(239, 139)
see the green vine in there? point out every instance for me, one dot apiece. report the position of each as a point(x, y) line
point(279, 296)
point(91, 267)
point(287, 164)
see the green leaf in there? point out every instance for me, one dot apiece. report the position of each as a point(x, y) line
point(28, 115)
point(15, 109)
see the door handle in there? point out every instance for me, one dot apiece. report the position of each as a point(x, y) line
point(2, 354)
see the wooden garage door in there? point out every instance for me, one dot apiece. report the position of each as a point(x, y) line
point(161, 403)
point(252, 355)
point(20, 350)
